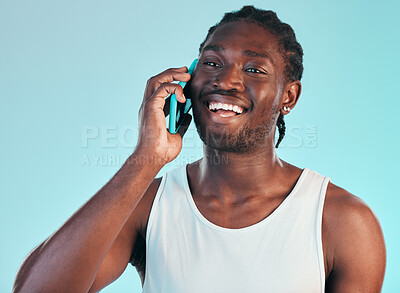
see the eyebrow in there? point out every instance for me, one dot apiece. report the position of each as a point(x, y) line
point(250, 53)
point(214, 48)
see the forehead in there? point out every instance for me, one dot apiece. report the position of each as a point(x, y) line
point(241, 35)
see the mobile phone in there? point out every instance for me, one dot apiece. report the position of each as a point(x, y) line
point(178, 110)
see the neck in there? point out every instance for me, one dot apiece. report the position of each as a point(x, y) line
point(233, 176)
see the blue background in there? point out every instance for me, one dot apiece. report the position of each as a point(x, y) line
point(72, 76)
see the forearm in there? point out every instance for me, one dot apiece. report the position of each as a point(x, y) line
point(69, 259)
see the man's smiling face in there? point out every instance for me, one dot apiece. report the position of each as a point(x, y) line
point(237, 86)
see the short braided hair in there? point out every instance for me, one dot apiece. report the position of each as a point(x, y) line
point(291, 50)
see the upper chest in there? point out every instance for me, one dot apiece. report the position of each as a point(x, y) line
point(238, 214)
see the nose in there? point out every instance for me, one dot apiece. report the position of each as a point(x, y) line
point(229, 78)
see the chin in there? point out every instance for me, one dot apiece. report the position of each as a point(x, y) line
point(245, 139)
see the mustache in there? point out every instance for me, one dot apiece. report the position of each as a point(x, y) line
point(223, 93)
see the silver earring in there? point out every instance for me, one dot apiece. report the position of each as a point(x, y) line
point(287, 109)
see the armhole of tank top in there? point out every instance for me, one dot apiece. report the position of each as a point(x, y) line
point(153, 210)
point(154, 206)
point(320, 210)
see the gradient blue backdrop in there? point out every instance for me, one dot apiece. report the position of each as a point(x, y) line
point(72, 75)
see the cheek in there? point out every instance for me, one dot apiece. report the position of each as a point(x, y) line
point(197, 84)
point(263, 95)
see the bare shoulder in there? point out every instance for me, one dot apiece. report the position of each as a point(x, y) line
point(354, 247)
point(344, 208)
point(344, 212)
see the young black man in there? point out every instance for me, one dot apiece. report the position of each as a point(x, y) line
point(240, 219)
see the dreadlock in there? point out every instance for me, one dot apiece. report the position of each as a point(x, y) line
point(282, 129)
point(290, 49)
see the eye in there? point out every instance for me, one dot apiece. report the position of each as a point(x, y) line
point(254, 70)
point(210, 63)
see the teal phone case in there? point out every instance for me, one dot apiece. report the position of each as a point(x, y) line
point(173, 106)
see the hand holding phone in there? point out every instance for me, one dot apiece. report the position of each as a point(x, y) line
point(179, 110)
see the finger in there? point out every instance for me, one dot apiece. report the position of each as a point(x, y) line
point(168, 89)
point(173, 75)
point(166, 77)
point(163, 91)
point(176, 69)
point(185, 125)
point(183, 69)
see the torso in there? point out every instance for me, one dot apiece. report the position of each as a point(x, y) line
point(253, 211)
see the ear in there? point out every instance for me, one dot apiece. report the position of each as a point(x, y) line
point(290, 96)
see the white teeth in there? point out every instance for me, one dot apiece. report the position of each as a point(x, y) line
point(239, 110)
point(218, 106)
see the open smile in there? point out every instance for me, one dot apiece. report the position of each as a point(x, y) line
point(225, 110)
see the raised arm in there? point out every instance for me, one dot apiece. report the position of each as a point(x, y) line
point(354, 243)
point(93, 247)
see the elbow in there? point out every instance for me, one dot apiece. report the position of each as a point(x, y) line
point(24, 280)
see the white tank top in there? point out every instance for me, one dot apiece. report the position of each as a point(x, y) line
point(186, 253)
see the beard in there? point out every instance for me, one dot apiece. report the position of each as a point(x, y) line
point(247, 139)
